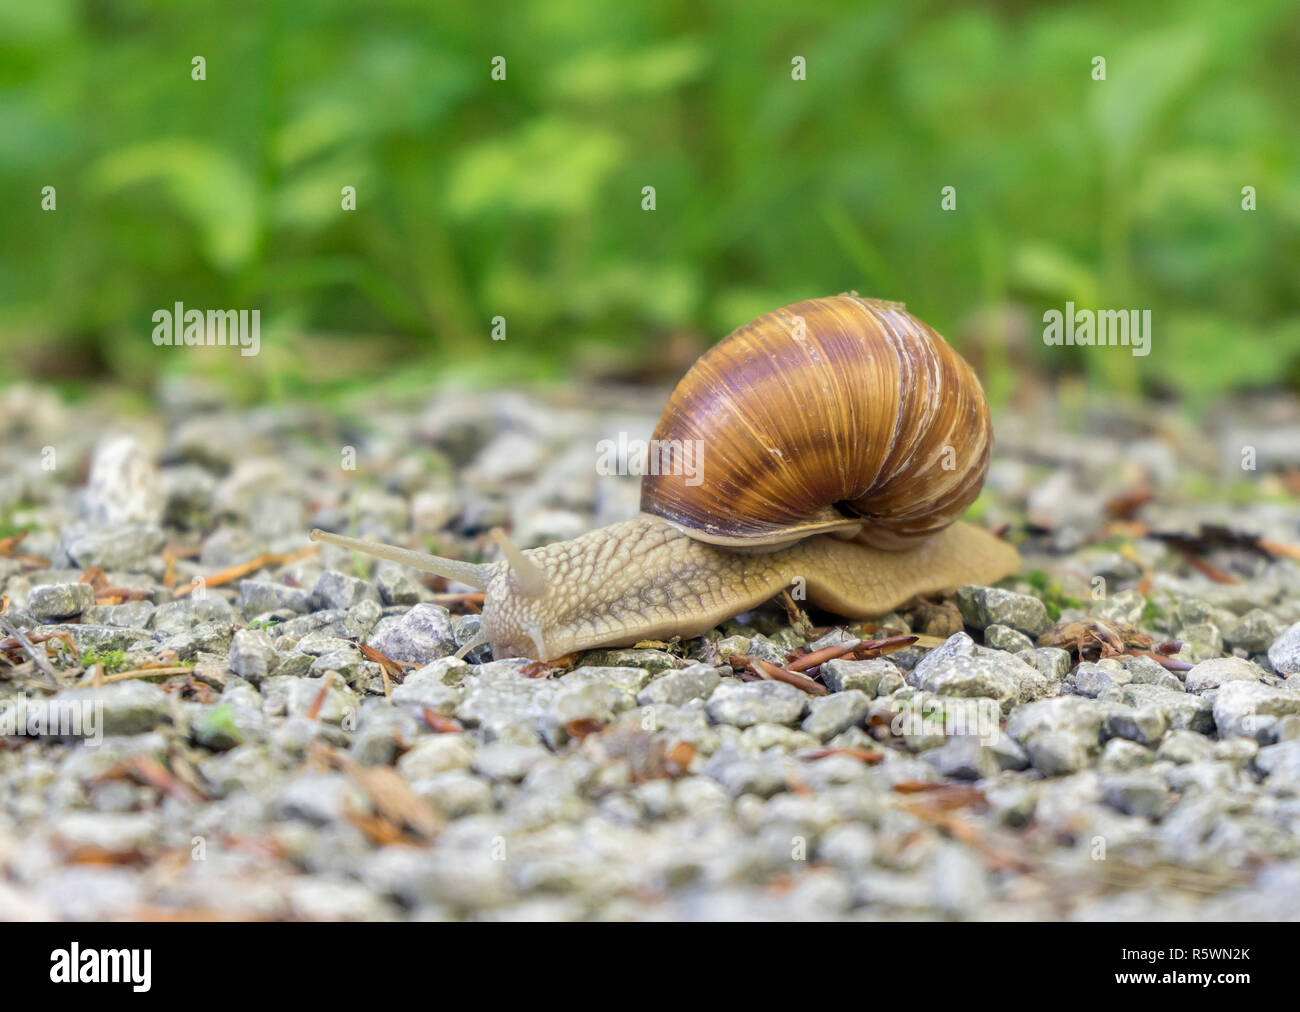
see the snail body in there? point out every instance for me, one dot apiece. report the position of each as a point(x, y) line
point(843, 438)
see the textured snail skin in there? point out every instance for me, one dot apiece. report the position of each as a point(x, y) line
point(645, 580)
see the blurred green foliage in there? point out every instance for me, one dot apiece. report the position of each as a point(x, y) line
point(522, 198)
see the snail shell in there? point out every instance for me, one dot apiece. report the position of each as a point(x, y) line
point(836, 415)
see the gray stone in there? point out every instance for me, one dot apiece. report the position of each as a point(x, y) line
point(54, 601)
point(396, 585)
point(456, 793)
point(1145, 725)
point(1254, 633)
point(1284, 654)
point(341, 591)
point(507, 761)
point(985, 606)
point(437, 754)
point(123, 487)
point(319, 797)
point(830, 715)
point(1092, 680)
point(427, 693)
point(678, 687)
point(252, 655)
point(422, 635)
point(960, 668)
point(130, 707)
point(744, 703)
point(1059, 735)
point(226, 725)
point(630, 679)
point(1143, 794)
point(1242, 708)
point(113, 548)
point(385, 732)
point(1280, 762)
point(183, 615)
point(257, 597)
point(1201, 641)
point(187, 497)
point(964, 757)
point(877, 677)
point(1215, 672)
point(1182, 709)
point(1145, 671)
point(1003, 637)
point(100, 638)
point(1123, 756)
point(1127, 606)
point(1052, 662)
point(134, 615)
point(1185, 747)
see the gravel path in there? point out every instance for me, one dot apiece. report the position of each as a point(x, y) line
point(275, 769)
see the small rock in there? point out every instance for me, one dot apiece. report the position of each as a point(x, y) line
point(830, 715)
point(257, 597)
point(435, 755)
point(341, 591)
point(1244, 708)
point(396, 585)
point(55, 601)
point(1123, 756)
point(1053, 662)
point(123, 487)
point(1143, 794)
point(1092, 680)
point(1185, 747)
point(130, 707)
point(677, 688)
point(877, 677)
point(1059, 735)
point(1254, 633)
point(1144, 725)
point(1215, 672)
point(506, 761)
point(127, 549)
point(1127, 606)
point(1003, 637)
point(1284, 654)
point(742, 704)
point(422, 635)
point(252, 656)
point(985, 606)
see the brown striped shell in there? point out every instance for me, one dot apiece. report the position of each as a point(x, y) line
point(838, 415)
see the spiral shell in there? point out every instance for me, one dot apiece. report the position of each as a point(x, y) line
point(836, 415)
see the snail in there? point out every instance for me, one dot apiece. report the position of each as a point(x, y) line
point(842, 439)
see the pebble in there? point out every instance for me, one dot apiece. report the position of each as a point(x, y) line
point(421, 635)
point(877, 677)
point(1284, 653)
point(985, 606)
point(52, 602)
point(742, 704)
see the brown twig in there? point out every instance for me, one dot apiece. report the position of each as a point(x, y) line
point(147, 672)
point(253, 565)
point(773, 672)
